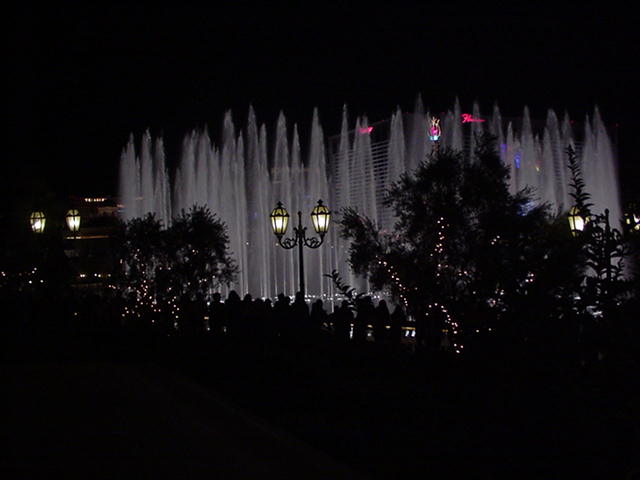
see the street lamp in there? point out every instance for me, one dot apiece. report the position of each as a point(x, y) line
point(320, 217)
point(73, 220)
point(37, 220)
point(576, 221)
point(279, 220)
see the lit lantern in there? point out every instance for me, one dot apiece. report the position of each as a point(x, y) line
point(435, 131)
point(320, 216)
point(576, 221)
point(73, 220)
point(279, 220)
point(37, 220)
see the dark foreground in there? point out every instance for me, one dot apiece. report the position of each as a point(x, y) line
point(118, 406)
point(108, 420)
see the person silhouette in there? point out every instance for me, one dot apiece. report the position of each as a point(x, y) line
point(318, 316)
point(246, 319)
point(233, 306)
point(365, 317)
point(300, 308)
point(281, 316)
point(381, 320)
point(217, 315)
point(343, 320)
point(268, 323)
point(398, 319)
point(300, 317)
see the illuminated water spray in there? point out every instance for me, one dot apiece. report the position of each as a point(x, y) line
point(244, 175)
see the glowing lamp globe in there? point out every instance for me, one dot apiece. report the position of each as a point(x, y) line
point(279, 220)
point(320, 216)
point(576, 221)
point(73, 220)
point(37, 220)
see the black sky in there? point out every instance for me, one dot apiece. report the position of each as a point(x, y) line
point(83, 77)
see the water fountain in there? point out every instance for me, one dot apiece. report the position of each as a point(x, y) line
point(241, 178)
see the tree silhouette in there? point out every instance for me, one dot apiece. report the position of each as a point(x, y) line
point(603, 249)
point(578, 190)
point(143, 256)
point(198, 253)
point(164, 269)
point(464, 252)
point(349, 293)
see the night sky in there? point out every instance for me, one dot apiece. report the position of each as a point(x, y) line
point(81, 78)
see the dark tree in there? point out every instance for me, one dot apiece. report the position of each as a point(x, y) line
point(604, 292)
point(604, 249)
point(198, 252)
point(464, 252)
point(142, 249)
point(164, 271)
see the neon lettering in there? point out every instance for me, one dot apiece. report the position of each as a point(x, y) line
point(468, 118)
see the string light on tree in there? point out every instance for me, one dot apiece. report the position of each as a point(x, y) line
point(393, 275)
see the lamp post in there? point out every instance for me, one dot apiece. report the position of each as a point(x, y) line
point(320, 217)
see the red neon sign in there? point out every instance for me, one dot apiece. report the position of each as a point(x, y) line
point(468, 118)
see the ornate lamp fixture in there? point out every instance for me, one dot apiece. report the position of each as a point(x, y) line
point(279, 220)
point(37, 220)
point(73, 220)
point(320, 217)
point(576, 221)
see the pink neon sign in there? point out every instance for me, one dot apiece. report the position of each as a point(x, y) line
point(365, 130)
point(468, 118)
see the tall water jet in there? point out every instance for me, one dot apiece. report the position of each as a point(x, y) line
point(161, 189)
point(129, 181)
point(243, 176)
point(417, 135)
point(256, 187)
point(316, 188)
point(281, 192)
point(341, 180)
point(397, 148)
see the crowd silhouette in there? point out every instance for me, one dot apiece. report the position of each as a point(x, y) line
point(284, 320)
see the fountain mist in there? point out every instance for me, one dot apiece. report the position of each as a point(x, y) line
point(241, 179)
